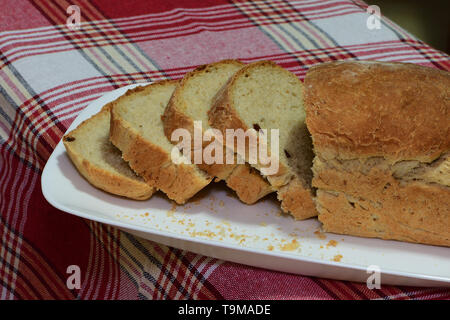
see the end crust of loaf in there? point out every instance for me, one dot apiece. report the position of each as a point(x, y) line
point(248, 184)
point(179, 181)
point(381, 138)
point(105, 180)
point(296, 198)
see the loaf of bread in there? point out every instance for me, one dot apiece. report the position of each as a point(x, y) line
point(190, 102)
point(381, 135)
point(101, 163)
point(262, 95)
point(137, 130)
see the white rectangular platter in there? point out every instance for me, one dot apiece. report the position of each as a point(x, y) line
point(216, 224)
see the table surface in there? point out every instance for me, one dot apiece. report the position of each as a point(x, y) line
point(49, 73)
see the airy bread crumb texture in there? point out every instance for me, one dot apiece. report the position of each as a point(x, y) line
point(137, 130)
point(191, 101)
point(100, 162)
point(263, 95)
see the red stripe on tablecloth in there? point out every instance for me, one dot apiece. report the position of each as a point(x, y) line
point(95, 14)
point(212, 291)
point(82, 43)
point(16, 132)
point(51, 18)
point(9, 214)
point(89, 274)
point(192, 283)
point(292, 12)
point(113, 282)
point(97, 272)
point(164, 277)
point(332, 287)
point(345, 54)
point(174, 267)
point(95, 280)
point(48, 272)
point(4, 267)
point(39, 273)
point(354, 290)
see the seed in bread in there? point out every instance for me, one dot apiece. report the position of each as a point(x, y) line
point(381, 134)
point(137, 130)
point(264, 95)
point(101, 163)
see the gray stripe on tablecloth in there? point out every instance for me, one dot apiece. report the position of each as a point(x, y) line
point(267, 34)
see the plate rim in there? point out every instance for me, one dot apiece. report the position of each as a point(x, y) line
point(199, 240)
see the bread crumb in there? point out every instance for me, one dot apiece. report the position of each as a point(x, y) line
point(320, 234)
point(337, 258)
point(208, 234)
point(172, 210)
point(332, 243)
point(270, 247)
point(263, 224)
point(290, 246)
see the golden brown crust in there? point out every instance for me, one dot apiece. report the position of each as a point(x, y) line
point(295, 198)
point(249, 187)
point(376, 129)
point(246, 182)
point(180, 182)
point(100, 178)
point(362, 109)
point(413, 212)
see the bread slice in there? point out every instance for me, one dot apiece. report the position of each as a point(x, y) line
point(137, 130)
point(264, 95)
point(101, 163)
point(381, 134)
point(190, 102)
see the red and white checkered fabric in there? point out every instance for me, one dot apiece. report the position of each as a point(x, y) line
point(49, 73)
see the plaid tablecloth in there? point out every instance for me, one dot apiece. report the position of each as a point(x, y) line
point(49, 73)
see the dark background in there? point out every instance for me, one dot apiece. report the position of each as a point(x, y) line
point(428, 20)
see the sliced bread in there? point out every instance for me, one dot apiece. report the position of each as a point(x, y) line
point(137, 130)
point(191, 100)
point(264, 95)
point(100, 162)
